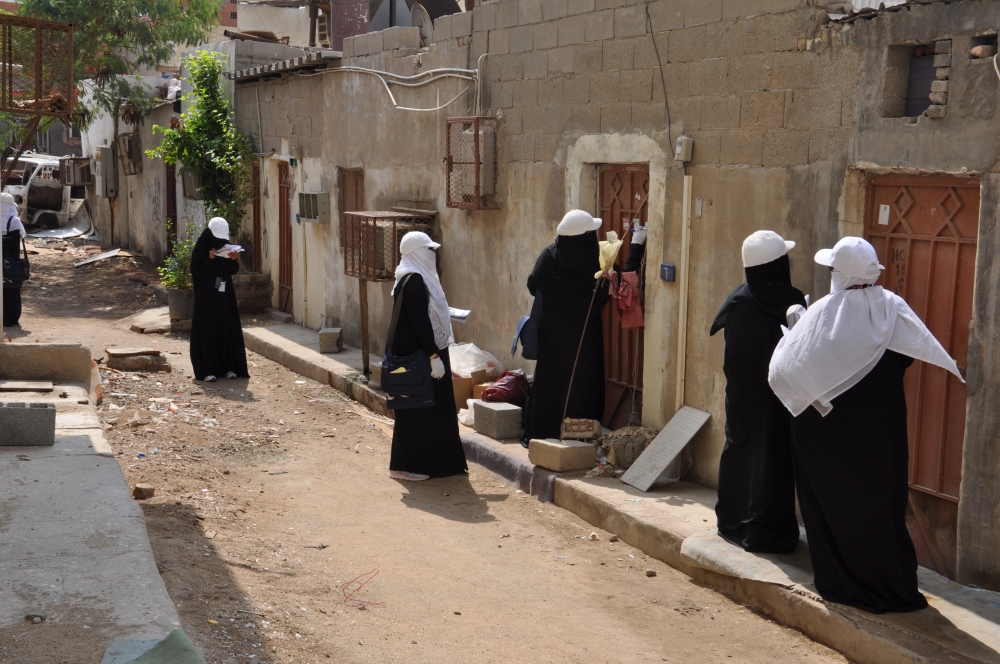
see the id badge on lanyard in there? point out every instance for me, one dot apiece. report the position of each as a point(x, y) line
point(220, 284)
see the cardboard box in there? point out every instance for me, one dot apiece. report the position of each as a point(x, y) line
point(463, 392)
point(479, 377)
point(477, 390)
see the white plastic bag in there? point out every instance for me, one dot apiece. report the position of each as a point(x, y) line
point(466, 417)
point(467, 358)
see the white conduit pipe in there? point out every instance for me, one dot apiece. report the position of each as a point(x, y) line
point(414, 82)
point(683, 313)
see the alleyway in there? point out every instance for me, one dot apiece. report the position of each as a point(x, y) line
point(273, 505)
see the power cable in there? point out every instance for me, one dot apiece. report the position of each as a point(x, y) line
point(663, 83)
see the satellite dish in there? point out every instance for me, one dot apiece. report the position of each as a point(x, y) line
point(419, 18)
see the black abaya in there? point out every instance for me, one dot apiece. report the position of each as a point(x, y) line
point(424, 440)
point(11, 247)
point(564, 273)
point(756, 507)
point(216, 335)
point(851, 474)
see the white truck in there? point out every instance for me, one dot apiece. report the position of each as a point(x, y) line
point(43, 202)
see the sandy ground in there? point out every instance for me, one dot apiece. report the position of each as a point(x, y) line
point(281, 537)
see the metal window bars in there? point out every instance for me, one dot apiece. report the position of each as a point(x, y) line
point(371, 242)
point(471, 163)
point(130, 150)
point(36, 67)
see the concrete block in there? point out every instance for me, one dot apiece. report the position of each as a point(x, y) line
point(331, 340)
point(561, 61)
point(942, 60)
point(936, 111)
point(27, 424)
point(574, 7)
point(943, 46)
point(666, 15)
point(740, 8)
point(522, 38)
point(535, 64)
point(943, 73)
point(562, 456)
point(742, 147)
point(507, 14)
point(587, 58)
point(599, 25)
point(630, 21)
point(461, 24)
point(721, 112)
point(521, 148)
point(605, 87)
point(375, 379)
point(525, 93)
point(546, 35)
point(939, 98)
point(767, 109)
point(686, 44)
point(554, 9)
point(529, 11)
point(785, 147)
point(572, 30)
point(707, 77)
point(143, 491)
point(610, 4)
point(499, 41)
point(480, 44)
point(575, 89)
point(615, 117)
point(645, 52)
point(348, 47)
point(279, 315)
point(707, 147)
point(637, 84)
point(550, 91)
point(442, 29)
point(511, 67)
point(813, 108)
point(375, 42)
point(587, 118)
point(546, 147)
point(939, 86)
point(699, 12)
point(497, 420)
point(484, 17)
point(618, 54)
point(648, 116)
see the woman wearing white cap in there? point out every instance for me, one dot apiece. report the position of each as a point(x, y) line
point(756, 508)
point(12, 232)
point(425, 441)
point(216, 334)
point(564, 277)
point(839, 371)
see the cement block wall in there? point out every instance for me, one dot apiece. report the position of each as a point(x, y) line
point(787, 127)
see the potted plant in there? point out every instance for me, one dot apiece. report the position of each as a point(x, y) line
point(175, 275)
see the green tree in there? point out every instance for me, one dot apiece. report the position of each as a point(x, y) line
point(209, 144)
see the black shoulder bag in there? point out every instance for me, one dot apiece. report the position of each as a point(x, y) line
point(406, 379)
point(16, 269)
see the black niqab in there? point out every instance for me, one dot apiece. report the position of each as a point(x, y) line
point(216, 334)
point(756, 508)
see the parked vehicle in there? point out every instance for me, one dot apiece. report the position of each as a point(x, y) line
point(42, 200)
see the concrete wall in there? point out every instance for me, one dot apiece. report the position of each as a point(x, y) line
point(787, 125)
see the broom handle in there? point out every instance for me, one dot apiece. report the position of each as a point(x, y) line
point(572, 374)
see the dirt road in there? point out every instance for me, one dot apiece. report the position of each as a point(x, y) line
point(281, 537)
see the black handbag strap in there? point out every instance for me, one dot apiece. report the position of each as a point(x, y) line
point(396, 308)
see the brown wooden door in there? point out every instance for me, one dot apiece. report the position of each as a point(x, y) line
point(284, 239)
point(258, 259)
point(925, 232)
point(623, 190)
point(170, 201)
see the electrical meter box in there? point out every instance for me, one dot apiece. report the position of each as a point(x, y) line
point(683, 148)
point(106, 176)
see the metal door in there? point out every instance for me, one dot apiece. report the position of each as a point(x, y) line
point(258, 259)
point(623, 190)
point(284, 239)
point(925, 232)
point(170, 196)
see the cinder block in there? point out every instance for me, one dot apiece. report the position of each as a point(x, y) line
point(507, 14)
point(535, 64)
point(939, 86)
point(522, 38)
point(618, 54)
point(280, 316)
point(562, 455)
point(571, 30)
point(27, 424)
point(943, 46)
point(666, 14)
point(461, 24)
point(529, 11)
point(442, 28)
point(497, 420)
point(546, 35)
point(630, 21)
point(331, 340)
point(484, 17)
point(561, 61)
point(499, 41)
point(375, 380)
point(686, 45)
point(348, 47)
point(580, 6)
point(599, 25)
point(936, 111)
point(698, 12)
point(939, 98)
point(942, 73)
point(587, 58)
point(740, 8)
point(942, 60)
point(554, 9)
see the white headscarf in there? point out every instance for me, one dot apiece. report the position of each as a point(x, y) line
point(8, 213)
point(421, 261)
point(841, 338)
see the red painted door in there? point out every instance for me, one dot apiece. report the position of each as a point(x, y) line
point(925, 231)
point(284, 239)
point(623, 190)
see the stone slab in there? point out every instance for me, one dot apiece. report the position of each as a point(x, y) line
point(496, 420)
point(154, 363)
point(331, 340)
point(25, 386)
point(126, 352)
point(150, 321)
point(562, 455)
point(24, 424)
point(662, 451)
point(279, 315)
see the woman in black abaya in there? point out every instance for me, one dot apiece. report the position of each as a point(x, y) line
point(12, 232)
point(216, 335)
point(425, 441)
point(756, 508)
point(564, 274)
point(839, 372)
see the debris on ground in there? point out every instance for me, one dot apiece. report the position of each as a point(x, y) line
point(143, 491)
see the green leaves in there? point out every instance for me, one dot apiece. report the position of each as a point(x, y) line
point(176, 270)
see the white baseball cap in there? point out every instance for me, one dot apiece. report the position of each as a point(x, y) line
point(578, 222)
point(763, 247)
point(852, 256)
point(415, 240)
point(219, 228)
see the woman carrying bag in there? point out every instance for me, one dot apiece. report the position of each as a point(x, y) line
point(13, 236)
point(425, 441)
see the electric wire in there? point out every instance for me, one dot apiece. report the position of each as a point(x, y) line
point(388, 78)
point(663, 82)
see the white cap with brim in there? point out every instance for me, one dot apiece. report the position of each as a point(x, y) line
point(763, 247)
point(578, 222)
point(219, 228)
point(852, 256)
point(415, 240)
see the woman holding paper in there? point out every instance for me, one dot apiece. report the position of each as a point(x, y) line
point(216, 335)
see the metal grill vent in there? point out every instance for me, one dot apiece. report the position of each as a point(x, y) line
point(130, 149)
point(315, 207)
point(372, 239)
point(75, 171)
point(472, 163)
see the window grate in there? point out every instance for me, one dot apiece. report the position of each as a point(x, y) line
point(75, 171)
point(471, 163)
point(371, 242)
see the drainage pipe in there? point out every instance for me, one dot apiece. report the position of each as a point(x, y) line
point(683, 313)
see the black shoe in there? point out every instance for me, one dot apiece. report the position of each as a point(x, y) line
point(524, 444)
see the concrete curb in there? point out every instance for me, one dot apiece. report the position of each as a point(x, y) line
point(493, 456)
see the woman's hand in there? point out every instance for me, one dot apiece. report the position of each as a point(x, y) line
point(211, 253)
point(233, 255)
point(437, 367)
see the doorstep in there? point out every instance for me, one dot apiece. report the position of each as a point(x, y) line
point(297, 348)
point(676, 524)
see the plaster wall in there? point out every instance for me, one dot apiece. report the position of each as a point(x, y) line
point(292, 22)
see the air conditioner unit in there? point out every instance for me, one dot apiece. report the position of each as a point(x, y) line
point(315, 207)
point(75, 171)
point(107, 172)
point(472, 163)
